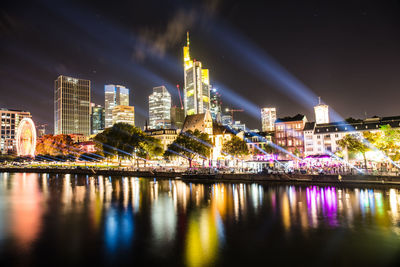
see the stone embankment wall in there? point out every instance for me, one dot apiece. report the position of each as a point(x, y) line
point(226, 177)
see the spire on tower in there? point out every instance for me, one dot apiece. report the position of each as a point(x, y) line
point(319, 100)
point(187, 39)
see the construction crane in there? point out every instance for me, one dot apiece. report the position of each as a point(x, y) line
point(231, 110)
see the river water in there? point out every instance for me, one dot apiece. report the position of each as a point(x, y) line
point(73, 220)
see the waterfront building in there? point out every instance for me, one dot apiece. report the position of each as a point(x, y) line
point(10, 120)
point(177, 117)
point(114, 95)
point(215, 105)
point(125, 114)
point(289, 135)
point(197, 84)
point(71, 106)
point(97, 118)
point(268, 118)
point(257, 142)
point(320, 139)
point(166, 136)
point(321, 113)
point(160, 108)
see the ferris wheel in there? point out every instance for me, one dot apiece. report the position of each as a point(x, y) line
point(26, 138)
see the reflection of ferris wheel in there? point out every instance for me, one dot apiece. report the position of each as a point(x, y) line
point(26, 138)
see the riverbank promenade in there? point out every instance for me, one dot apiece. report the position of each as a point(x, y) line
point(215, 177)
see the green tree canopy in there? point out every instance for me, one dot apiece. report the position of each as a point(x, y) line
point(236, 147)
point(149, 148)
point(189, 145)
point(121, 140)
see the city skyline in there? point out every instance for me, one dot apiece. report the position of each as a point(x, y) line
point(327, 60)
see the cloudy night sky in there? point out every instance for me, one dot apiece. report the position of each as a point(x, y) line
point(267, 53)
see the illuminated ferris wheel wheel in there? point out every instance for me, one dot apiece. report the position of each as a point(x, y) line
point(26, 138)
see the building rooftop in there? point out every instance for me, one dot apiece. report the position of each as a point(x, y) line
point(14, 110)
point(363, 125)
point(309, 126)
point(297, 117)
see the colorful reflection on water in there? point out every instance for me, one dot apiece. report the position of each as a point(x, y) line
point(69, 219)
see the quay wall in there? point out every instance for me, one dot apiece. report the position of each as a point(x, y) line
point(223, 177)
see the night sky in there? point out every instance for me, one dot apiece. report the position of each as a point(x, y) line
point(267, 53)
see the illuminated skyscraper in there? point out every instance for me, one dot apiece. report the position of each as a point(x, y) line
point(125, 114)
point(71, 106)
point(321, 113)
point(115, 95)
point(227, 120)
point(268, 118)
point(97, 119)
point(197, 84)
point(215, 105)
point(160, 108)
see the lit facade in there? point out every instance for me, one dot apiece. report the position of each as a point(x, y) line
point(114, 95)
point(197, 84)
point(289, 135)
point(257, 142)
point(10, 120)
point(125, 114)
point(268, 118)
point(97, 118)
point(166, 136)
point(238, 126)
point(227, 119)
point(323, 138)
point(321, 113)
point(160, 108)
point(71, 106)
point(215, 105)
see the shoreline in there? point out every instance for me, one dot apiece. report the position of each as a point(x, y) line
point(225, 177)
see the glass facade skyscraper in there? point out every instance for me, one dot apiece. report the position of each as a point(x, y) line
point(197, 84)
point(97, 119)
point(160, 108)
point(114, 95)
point(177, 117)
point(71, 106)
point(215, 105)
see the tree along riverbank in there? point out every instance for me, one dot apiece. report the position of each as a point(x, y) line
point(223, 177)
